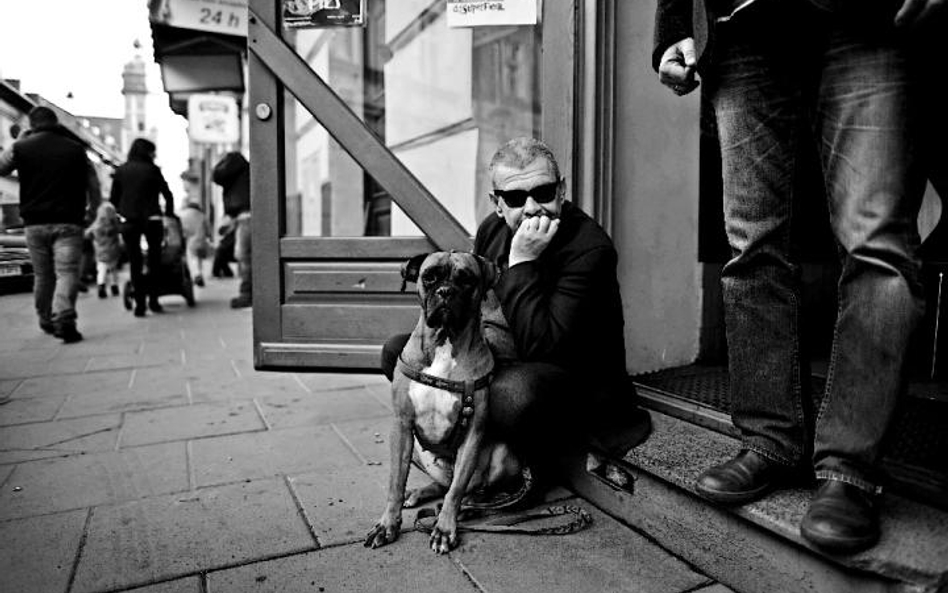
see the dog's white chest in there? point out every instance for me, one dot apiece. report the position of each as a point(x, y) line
point(436, 410)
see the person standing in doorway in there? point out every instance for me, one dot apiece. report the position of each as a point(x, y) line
point(232, 173)
point(136, 186)
point(836, 77)
point(57, 182)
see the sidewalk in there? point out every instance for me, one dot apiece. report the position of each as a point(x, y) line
point(152, 455)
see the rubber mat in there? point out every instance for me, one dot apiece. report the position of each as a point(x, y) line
point(917, 444)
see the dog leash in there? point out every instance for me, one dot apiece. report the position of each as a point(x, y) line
point(576, 517)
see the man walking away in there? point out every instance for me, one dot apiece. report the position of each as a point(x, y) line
point(56, 183)
point(232, 173)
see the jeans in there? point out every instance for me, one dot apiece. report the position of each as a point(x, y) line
point(56, 252)
point(242, 253)
point(132, 232)
point(783, 81)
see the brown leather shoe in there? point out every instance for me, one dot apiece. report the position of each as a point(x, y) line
point(841, 518)
point(744, 478)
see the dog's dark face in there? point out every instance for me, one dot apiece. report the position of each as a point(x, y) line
point(451, 286)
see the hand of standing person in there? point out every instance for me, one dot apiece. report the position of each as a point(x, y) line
point(678, 67)
point(918, 12)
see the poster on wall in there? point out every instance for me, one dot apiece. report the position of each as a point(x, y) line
point(316, 14)
point(479, 13)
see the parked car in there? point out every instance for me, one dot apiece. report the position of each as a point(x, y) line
point(16, 269)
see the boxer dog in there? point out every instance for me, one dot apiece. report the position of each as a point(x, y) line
point(440, 394)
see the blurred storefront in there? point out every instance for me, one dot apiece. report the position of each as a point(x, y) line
point(201, 48)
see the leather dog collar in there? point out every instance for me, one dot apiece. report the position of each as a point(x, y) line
point(465, 388)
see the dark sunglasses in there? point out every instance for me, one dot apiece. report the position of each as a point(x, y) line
point(516, 198)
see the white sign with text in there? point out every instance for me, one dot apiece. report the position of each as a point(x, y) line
point(213, 119)
point(218, 16)
point(479, 13)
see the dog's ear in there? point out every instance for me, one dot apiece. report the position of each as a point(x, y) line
point(489, 272)
point(411, 268)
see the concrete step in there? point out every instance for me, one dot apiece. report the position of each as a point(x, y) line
point(755, 547)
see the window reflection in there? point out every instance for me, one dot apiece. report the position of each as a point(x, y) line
point(441, 99)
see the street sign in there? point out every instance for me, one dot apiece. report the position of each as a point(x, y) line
point(218, 16)
point(213, 119)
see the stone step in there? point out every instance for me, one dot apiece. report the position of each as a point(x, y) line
point(755, 547)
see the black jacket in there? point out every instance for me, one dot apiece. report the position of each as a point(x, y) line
point(56, 178)
point(136, 186)
point(563, 308)
point(232, 173)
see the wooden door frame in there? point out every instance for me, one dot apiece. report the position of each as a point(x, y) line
point(277, 74)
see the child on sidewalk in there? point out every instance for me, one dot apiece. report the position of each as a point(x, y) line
point(104, 232)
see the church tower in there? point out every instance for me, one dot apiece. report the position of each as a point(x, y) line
point(136, 92)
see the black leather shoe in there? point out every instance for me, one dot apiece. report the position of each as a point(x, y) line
point(140, 310)
point(155, 306)
point(841, 518)
point(68, 334)
point(744, 478)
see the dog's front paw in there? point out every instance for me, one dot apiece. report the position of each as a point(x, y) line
point(385, 532)
point(444, 536)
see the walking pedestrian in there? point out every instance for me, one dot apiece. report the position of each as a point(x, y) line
point(232, 173)
point(136, 186)
point(105, 232)
point(194, 227)
point(786, 77)
point(57, 182)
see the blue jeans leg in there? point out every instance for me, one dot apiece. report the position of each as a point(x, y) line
point(875, 182)
point(760, 108)
point(40, 244)
point(56, 252)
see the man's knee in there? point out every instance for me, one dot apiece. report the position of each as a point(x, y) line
point(526, 394)
point(390, 351)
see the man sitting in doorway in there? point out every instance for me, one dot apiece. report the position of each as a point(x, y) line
point(560, 295)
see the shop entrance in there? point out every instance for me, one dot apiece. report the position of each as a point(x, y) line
point(369, 145)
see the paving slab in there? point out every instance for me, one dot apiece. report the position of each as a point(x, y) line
point(313, 409)
point(406, 566)
point(189, 422)
point(7, 386)
point(233, 388)
point(368, 437)
point(228, 459)
point(30, 409)
point(334, 381)
point(104, 345)
point(342, 505)
point(42, 440)
point(186, 585)
point(171, 536)
point(37, 554)
point(73, 384)
point(5, 471)
point(89, 480)
point(606, 556)
point(717, 588)
point(142, 397)
point(156, 357)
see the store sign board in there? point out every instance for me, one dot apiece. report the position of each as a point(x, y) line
point(213, 119)
point(478, 13)
point(318, 14)
point(217, 16)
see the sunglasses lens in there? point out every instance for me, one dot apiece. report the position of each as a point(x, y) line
point(516, 198)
